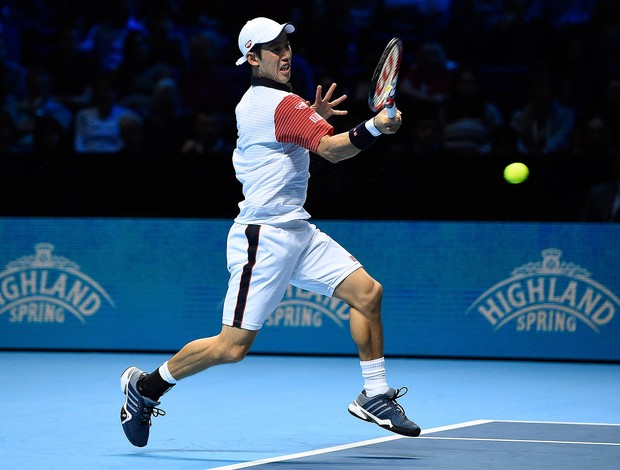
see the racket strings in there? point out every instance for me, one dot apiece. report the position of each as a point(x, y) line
point(386, 77)
point(383, 82)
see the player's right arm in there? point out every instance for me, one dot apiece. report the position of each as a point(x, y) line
point(300, 123)
point(336, 148)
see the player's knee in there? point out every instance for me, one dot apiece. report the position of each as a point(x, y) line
point(236, 353)
point(376, 295)
point(371, 299)
point(361, 292)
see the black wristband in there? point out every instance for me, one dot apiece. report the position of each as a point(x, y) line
point(361, 137)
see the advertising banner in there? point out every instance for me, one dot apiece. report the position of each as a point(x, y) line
point(451, 289)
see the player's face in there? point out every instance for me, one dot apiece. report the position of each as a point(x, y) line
point(275, 61)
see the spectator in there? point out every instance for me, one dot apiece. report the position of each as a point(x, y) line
point(206, 136)
point(72, 70)
point(8, 133)
point(165, 35)
point(592, 139)
point(558, 15)
point(469, 118)
point(604, 31)
point(97, 127)
point(49, 138)
point(131, 127)
point(576, 68)
point(140, 69)
point(13, 75)
point(426, 132)
point(592, 148)
point(209, 82)
point(608, 107)
point(603, 200)
point(543, 125)
point(496, 29)
point(504, 143)
point(105, 38)
point(38, 103)
point(430, 78)
point(166, 120)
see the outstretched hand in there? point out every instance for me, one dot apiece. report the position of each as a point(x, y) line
point(322, 104)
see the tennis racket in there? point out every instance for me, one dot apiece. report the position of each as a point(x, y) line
point(383, 84)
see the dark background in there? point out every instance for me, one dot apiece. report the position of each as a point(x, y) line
point(340, 41)
point(449, 188)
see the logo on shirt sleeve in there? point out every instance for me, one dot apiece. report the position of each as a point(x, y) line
point(315, 117)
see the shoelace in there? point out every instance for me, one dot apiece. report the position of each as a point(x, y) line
point(151, 411)
point(398, 394)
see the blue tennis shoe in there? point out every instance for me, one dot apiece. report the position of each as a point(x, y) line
point(385, 411)
point(137, 411)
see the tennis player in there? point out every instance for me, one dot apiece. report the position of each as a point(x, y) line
point(271, 243)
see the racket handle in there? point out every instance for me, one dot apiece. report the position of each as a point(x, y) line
point(391, 108)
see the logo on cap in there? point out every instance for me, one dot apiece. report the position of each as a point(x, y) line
point(248, 44)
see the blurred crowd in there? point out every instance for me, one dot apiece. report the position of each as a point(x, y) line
point(489, 78)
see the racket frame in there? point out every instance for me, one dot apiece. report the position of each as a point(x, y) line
point(386, 98)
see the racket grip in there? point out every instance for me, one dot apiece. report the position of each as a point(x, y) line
point(391, 109)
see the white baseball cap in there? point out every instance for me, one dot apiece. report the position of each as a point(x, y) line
point(258, 31)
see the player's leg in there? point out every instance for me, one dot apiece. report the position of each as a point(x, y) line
point(364, 296)
point(231, 345)
point(326, 268)
point(377, 402)
point(143, 391)
point(260, 261)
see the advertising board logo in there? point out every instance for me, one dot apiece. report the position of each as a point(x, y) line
point(548, 296)
point(43, 288)
point(302, 309)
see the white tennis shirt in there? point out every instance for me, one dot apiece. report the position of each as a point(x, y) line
point(276, 129)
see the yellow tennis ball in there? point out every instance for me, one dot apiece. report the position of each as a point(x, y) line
point(516, 173)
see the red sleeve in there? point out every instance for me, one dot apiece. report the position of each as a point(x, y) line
point(297, 123)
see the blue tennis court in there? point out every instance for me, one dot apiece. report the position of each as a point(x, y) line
point(60, 410)
point(473, 445)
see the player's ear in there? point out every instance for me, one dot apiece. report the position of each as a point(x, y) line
point(252, 58)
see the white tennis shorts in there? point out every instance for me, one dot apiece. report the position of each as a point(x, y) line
point(264, 259)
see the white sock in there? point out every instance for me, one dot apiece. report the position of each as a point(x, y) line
point(165, 374)
point(373, 373)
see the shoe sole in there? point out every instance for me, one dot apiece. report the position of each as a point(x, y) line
point(358, 412)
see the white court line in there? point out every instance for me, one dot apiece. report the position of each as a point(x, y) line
point(553, 422)
point(529, 441)
point(570, 423)
point(428, 431)
point(347, 446)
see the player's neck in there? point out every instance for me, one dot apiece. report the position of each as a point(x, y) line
point(262, 81)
